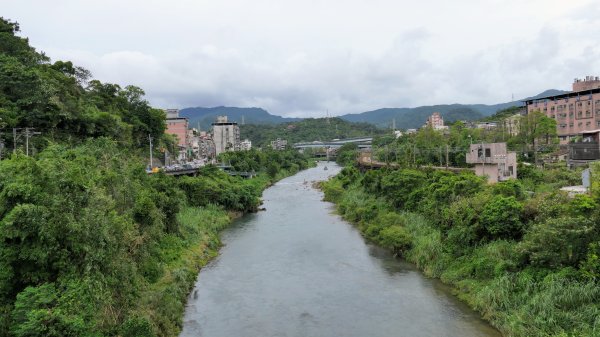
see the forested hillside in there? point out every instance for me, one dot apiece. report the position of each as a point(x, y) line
point(90, 244)
point(308, 130)
point(406, 118)
point(204, 117)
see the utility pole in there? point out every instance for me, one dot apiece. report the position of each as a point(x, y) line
point(28, 133)
point(14, 140)
point(447, 156)
point(150, 139)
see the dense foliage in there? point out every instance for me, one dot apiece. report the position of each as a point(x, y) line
point(529, 262)
point(86, 232)
point(90, 244)
point(307, 130)
point(61, 101)
point(274, 163)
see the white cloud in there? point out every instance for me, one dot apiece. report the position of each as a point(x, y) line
point(304, 57)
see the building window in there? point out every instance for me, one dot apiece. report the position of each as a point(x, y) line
point(488, 153)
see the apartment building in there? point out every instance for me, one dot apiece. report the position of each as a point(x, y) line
point(177, 126)
point(226, 135)
point(436, 121)
point(575, 112)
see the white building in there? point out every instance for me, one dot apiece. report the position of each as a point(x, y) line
point(279, 144)
point(226, 135)
point(246, 145)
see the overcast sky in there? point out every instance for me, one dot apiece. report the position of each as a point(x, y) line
point(301, 58)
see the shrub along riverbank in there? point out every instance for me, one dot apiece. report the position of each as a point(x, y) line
point(91, 245)
point(528, 262)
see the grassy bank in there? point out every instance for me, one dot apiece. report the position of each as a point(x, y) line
point(162, 304)
point(537, 279)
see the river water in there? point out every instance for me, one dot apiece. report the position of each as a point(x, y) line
point(297, 269)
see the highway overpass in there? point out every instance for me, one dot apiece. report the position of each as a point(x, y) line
point(362, 142)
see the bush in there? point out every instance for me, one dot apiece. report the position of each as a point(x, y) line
point(395, 238)
point(558, 242)
point(501, 218)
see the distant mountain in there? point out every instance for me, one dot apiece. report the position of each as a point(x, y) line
point(205, 116)
point(407, 118)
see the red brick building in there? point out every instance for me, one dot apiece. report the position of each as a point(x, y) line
point(575, 112)
point(177, 126)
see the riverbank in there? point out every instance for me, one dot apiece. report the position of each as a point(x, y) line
point(183, 255)
point(492, 276)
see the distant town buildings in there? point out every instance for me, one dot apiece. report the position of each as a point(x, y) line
point(226, 135)
point(575, 112)
point(206, 146)
point(436, 121)
point(279, 144)
point(177, 126)
point(245, 145)
point(493, 160)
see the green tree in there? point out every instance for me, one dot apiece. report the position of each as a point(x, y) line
point(501, 218)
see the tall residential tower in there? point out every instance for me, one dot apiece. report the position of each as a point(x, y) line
point(226, 135)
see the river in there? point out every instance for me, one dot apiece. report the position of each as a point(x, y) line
point(298, 269)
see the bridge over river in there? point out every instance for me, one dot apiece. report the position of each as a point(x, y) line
point(362, 142)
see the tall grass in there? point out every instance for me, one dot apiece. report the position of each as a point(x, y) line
point(519, 302)
point(184, 253)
